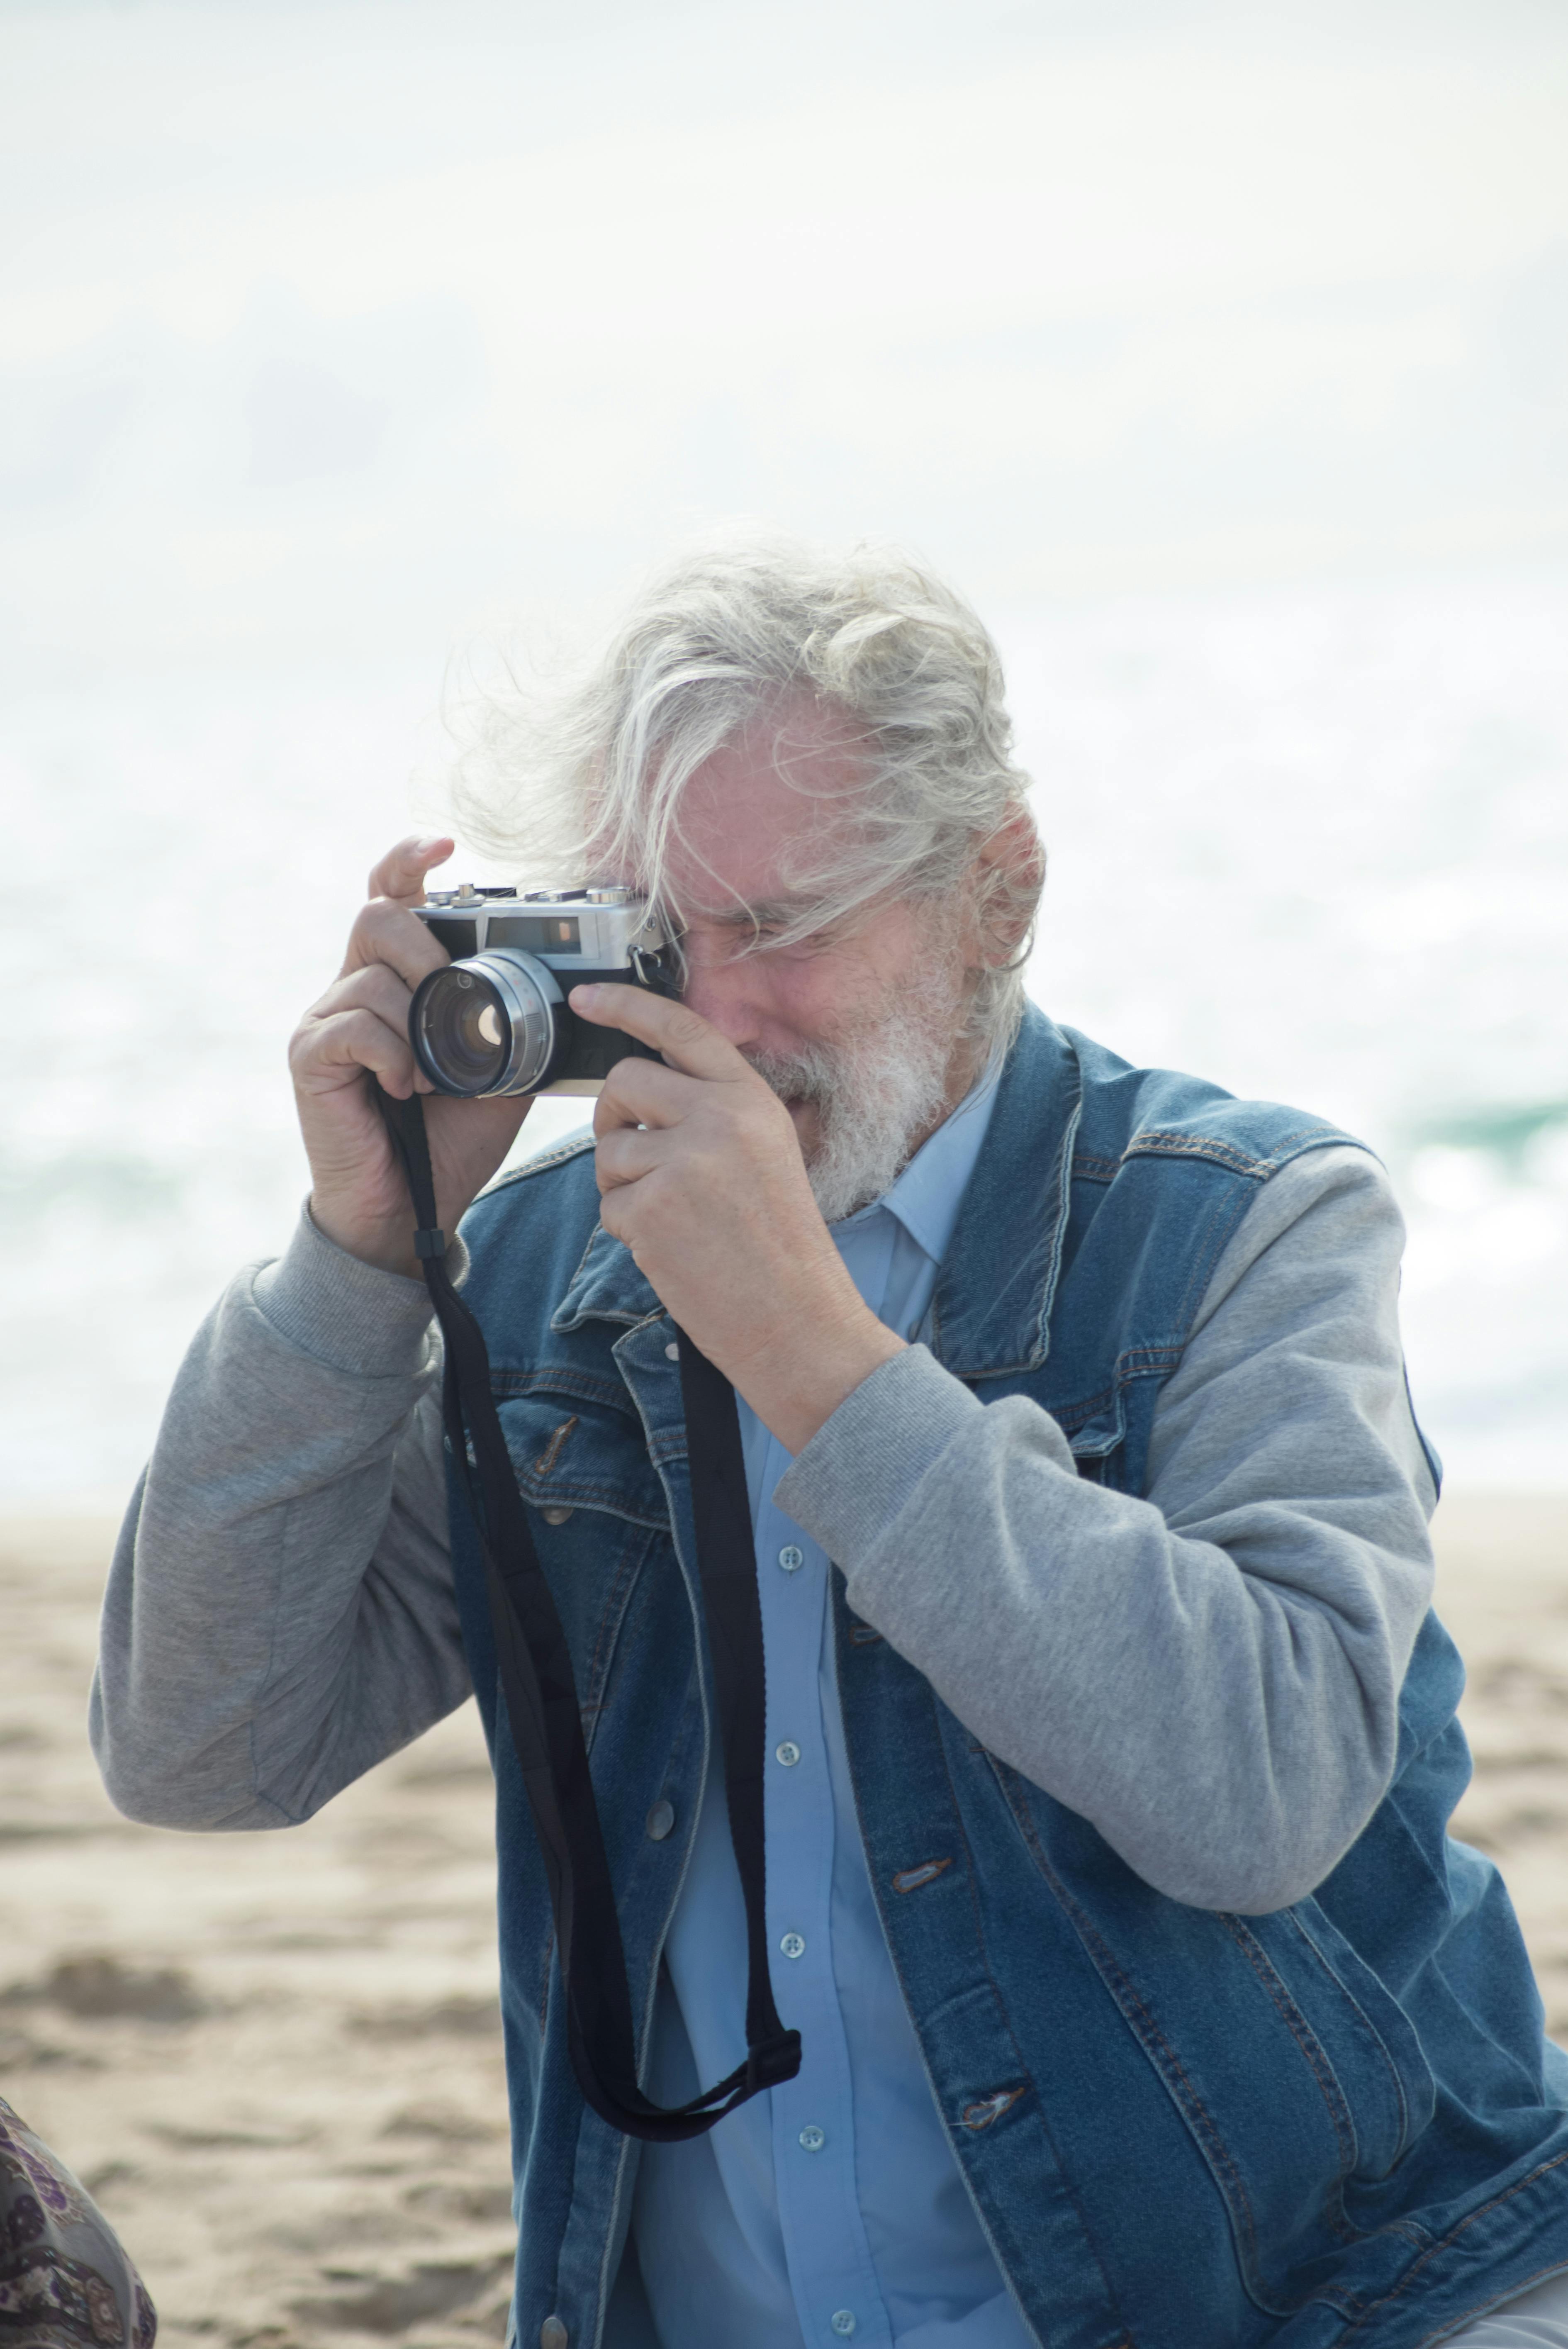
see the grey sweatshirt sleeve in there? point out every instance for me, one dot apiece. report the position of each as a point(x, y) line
point(1210, 1675)
point(280, 1613)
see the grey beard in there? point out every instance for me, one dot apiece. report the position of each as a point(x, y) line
point(875, 1097)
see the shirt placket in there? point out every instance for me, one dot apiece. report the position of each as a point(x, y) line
point(830, 2271)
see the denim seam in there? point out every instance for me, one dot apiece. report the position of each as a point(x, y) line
point(1315, 2056)
point(556, 1157)
point(1020, 2265)
point(1222, 1217)
point(544, 1981)
point(1370, 2028)
point(586, 1493)
point(1087, 1168)
point(1055, 1239)
point(1068, 2185)
point(517, 1385)
point(1441, 2242)
point(1127, 1998)
point(1166, 1142)
point(633, 1558)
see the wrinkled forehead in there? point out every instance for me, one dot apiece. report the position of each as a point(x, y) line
point(774, 817)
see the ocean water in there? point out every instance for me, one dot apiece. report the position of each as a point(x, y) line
point(1313, 844)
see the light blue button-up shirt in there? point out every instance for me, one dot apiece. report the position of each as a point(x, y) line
point(830, 2208)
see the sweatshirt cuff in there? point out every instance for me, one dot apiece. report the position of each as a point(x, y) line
point(346, 1313)
point(863, 1465)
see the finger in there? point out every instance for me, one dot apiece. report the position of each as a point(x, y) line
point(326, 1053)
point(627, 1155)
point(401, 872)
point(643, 1092)
point(388, 933)
point(686, 1039)
point(374, 986)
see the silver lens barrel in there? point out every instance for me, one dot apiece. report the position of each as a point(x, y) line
point(488, 1024)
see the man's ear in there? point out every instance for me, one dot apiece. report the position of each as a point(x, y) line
point(1009, 871)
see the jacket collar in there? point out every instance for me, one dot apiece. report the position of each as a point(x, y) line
point(991, 1312)
point(992, 1308)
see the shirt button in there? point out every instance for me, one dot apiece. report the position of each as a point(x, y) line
point(842, 2321)
point(813, 2138)
point(791, 1558)
point(661, 1818)
point(793, 1945)
point(788, 1752)
point(672, 1352)
point(554, 1516)
point(552, 2334)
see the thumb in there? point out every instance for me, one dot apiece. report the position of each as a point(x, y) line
point(400, 875)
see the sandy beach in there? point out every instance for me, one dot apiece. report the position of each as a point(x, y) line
point(276, 2058)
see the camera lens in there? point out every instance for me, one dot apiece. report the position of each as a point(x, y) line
point(465, 1031)
point(486, 1025)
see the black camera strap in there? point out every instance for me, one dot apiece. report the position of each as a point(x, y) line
point(546, 1720)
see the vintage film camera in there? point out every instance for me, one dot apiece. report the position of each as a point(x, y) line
point(496, 1021)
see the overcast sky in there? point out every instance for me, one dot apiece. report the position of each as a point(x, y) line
point(329, 329)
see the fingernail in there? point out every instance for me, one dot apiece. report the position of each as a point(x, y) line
point(588, 993)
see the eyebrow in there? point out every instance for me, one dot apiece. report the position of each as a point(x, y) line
point(777, 913)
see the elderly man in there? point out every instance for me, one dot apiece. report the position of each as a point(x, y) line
point(1109, 1741)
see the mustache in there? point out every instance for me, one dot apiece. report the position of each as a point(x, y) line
point(813, 1076)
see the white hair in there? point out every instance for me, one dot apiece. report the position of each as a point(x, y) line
point(585, 781)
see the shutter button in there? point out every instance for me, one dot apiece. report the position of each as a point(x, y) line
point(660, 1820)
point(552, 2334)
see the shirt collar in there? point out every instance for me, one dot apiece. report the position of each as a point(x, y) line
point(927, 1195)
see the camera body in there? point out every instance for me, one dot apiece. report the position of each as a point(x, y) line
point(496, 1019)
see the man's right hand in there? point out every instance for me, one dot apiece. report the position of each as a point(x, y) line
point(359, 1034)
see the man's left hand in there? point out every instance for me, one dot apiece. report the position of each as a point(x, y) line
point(701, 1178)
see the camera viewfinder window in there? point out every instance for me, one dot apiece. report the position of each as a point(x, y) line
point(537, 933)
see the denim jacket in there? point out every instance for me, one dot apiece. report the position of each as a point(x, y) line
point(1180, 2127)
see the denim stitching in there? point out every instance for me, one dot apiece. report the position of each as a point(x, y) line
point(1056, 1238)
point(633, 1557)
point(1315, 2056)
point(557, 1157)
point(1365, 2019)
point(1121, 1989)
point(1086, 1169)
point(544, 1981)
point(1442, 2242)
point(1126, 2341)
point(1157, 1141)
point(516, 1385)
point(1028, 2077)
